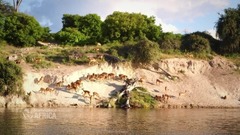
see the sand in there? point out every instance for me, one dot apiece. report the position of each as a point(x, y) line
point(198, 83)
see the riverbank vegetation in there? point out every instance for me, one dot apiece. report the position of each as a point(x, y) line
point(11, 78)
point(126, 36)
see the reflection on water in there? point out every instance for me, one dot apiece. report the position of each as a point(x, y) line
point(117, 121)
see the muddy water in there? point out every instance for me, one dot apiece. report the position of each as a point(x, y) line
point(63, 121)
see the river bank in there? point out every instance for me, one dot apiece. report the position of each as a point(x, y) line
point(190, 83)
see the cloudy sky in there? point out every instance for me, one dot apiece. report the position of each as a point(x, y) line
point(178, 16)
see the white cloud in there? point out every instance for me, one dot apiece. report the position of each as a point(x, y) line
point(144, 7)
point(45, 21)
point(212, 32)
point(167, 27)
point(166, 12)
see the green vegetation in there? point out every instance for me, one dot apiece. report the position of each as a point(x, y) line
point(89, 28)
point(70, 36)
point(146, 52)
point(228, 30)
point(123, 26)
point(120, 27)
point(128, 36)
point(170, 41)
point(195, 43)
point(139, 98)
point(11, 78)
point(22, 30)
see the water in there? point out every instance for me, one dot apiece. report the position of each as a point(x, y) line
point(64, 121)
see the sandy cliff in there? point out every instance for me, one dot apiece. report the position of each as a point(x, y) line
point(192, 82)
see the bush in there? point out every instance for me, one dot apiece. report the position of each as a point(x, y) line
point(214, 43)
point(195, 43)
point(11, 78)
point(42, 63)
point(143, 52)
point(22, 30)
point(146, 52)
point(70, 36)
point(170, 41)
point(228, 30)
point(140, 98)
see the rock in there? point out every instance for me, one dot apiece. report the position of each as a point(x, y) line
point(12, 57)
point(224, 97)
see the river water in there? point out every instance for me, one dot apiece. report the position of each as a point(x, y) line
point(68, 121)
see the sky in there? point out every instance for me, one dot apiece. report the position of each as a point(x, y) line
point(177, 16)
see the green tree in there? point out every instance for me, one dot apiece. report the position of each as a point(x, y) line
point(146, 52)
point(195, 43)
point(90, 25)
point(70, 36)
point(153, 31)
point(16, 4)
point(11, 78)
point(170, 41)
point(5, 8)
point(22, 30)
point(228, 30)
point(2, 22)
point(214, 43)
point(71, 21)
point(123, 26)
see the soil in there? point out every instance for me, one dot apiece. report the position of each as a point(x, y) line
point(189, 82)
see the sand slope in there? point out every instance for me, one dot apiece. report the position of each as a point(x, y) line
point(205, 82)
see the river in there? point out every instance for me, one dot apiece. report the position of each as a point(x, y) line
point(68, 121)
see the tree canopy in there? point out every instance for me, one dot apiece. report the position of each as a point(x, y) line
point(70, 36)
point(228, 30)
point(170, 41)
point(5, 8)
point(123, 26)
point(89, 25)
point(22, 30)
point(11, 77)
point(195, 43)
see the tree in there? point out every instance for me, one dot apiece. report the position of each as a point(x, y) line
point(123, 26)
point(228, 30)
point(2, 22)
point(5, 8)
point(214, 43)
point(16, 4)
point(195, 43)
point(70, 36)
point(170, 41)
point(71, 21)
point(11, 78)
point(90, 25)
point(146, 52)
point(22, 30)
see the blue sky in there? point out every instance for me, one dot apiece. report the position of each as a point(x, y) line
point(178, 16)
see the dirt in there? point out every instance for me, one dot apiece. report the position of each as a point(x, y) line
point(189, 82)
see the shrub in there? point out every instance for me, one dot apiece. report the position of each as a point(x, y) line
point(140, 98)
point(70, 36)
point(146, 52)
point(22, 30)
point(195, 43)
point(11, 78)
point(170, 41)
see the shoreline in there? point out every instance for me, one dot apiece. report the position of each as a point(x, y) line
point(199, 85)
point(75, 105)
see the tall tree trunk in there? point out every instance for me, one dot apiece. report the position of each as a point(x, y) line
point(16, 4)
